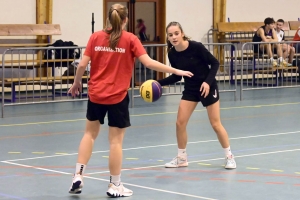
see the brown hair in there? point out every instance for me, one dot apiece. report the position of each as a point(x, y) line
point(180, 27)
point(269, 20)
point(116, 15)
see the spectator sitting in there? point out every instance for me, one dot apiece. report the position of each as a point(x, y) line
point(266, 34)
point(297, 38)
point(286, 49)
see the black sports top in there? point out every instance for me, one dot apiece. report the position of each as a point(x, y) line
point(257, 38)
point(196, 59)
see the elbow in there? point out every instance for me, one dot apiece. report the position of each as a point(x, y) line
point(81, 66)
point(148, 64)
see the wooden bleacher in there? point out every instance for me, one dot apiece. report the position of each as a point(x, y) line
point(241, 32)
point(25, 61)
point(294, 25)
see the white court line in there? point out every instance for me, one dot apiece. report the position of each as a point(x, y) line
point(155, 146)
point(149, 188)
point(154, 166)
point(100, 179)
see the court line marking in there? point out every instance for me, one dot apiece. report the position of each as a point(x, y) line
point(100, 179)
point(151, 114)
point(149, 188)
point(155, 146)
point(214, 159)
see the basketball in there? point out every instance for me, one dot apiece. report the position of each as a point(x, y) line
point(150, 91)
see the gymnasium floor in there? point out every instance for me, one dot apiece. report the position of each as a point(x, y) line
point(39, 145)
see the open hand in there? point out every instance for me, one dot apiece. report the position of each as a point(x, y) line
point(204, 89)
point(184, 73)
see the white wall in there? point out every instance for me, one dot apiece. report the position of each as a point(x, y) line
point(258, 10)
point(195, 16)
point(75, 19)
point(17, 12)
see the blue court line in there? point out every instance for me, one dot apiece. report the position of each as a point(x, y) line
point(12, 197)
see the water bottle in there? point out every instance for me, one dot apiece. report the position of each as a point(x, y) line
point(53, 54)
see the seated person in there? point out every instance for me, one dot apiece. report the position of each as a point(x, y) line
point(297, 38)
point(286, 49)
point(266, 34)
point(296, 62)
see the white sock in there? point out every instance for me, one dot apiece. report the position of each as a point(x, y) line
point(116, 180)
point(271, 59)
point(182, 152)
point(280, 59)
point(227, 152)
point(80, 168)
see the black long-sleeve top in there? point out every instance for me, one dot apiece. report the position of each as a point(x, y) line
point(196, 59)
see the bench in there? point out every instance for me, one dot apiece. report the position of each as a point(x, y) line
point(240, 33)
point(294, 25)
point(21, 35)
point(41, 81)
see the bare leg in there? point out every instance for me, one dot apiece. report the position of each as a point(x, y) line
point(266, 47)
point(213, 112)
point(87, 142)
point(291, 51)
point(279, 50)
point(185, 111)
point(285, 50)
point(116, 136)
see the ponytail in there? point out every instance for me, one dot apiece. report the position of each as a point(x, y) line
point(116, 15)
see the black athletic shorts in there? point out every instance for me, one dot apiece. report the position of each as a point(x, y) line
point(211, 98)
point(117, 114)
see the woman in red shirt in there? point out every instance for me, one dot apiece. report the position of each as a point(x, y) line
point(112, 53)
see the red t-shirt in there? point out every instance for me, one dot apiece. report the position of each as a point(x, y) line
point(297, 35)
point(111, 71)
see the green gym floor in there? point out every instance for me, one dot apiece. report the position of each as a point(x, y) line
point(39, 146)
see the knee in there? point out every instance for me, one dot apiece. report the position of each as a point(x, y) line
point(216, 124)
point(292, 49)
point(180, 124)
point(91, 135)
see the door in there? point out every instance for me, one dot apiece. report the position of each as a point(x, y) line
point(152, 13)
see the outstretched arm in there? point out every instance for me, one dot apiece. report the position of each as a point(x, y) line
point(157, 66)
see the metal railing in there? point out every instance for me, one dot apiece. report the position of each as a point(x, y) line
point(29, 80)
point(258, 72)
point(226, 76)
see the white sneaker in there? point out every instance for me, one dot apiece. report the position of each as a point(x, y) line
point(178, 161)
point(118, 191)
point(230, 162)
point(77, 184)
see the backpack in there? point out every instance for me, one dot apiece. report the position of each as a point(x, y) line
point(72, 53)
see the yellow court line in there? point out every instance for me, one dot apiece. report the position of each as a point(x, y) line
point(149, 114)
point(276, 170)
point(160, 160)
point(252, 168)
point(11, 152)
point(131, 158)
point(61, 153)
point(105, 156)
point(203, 164)
point(297, 172)
point(38, 152)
